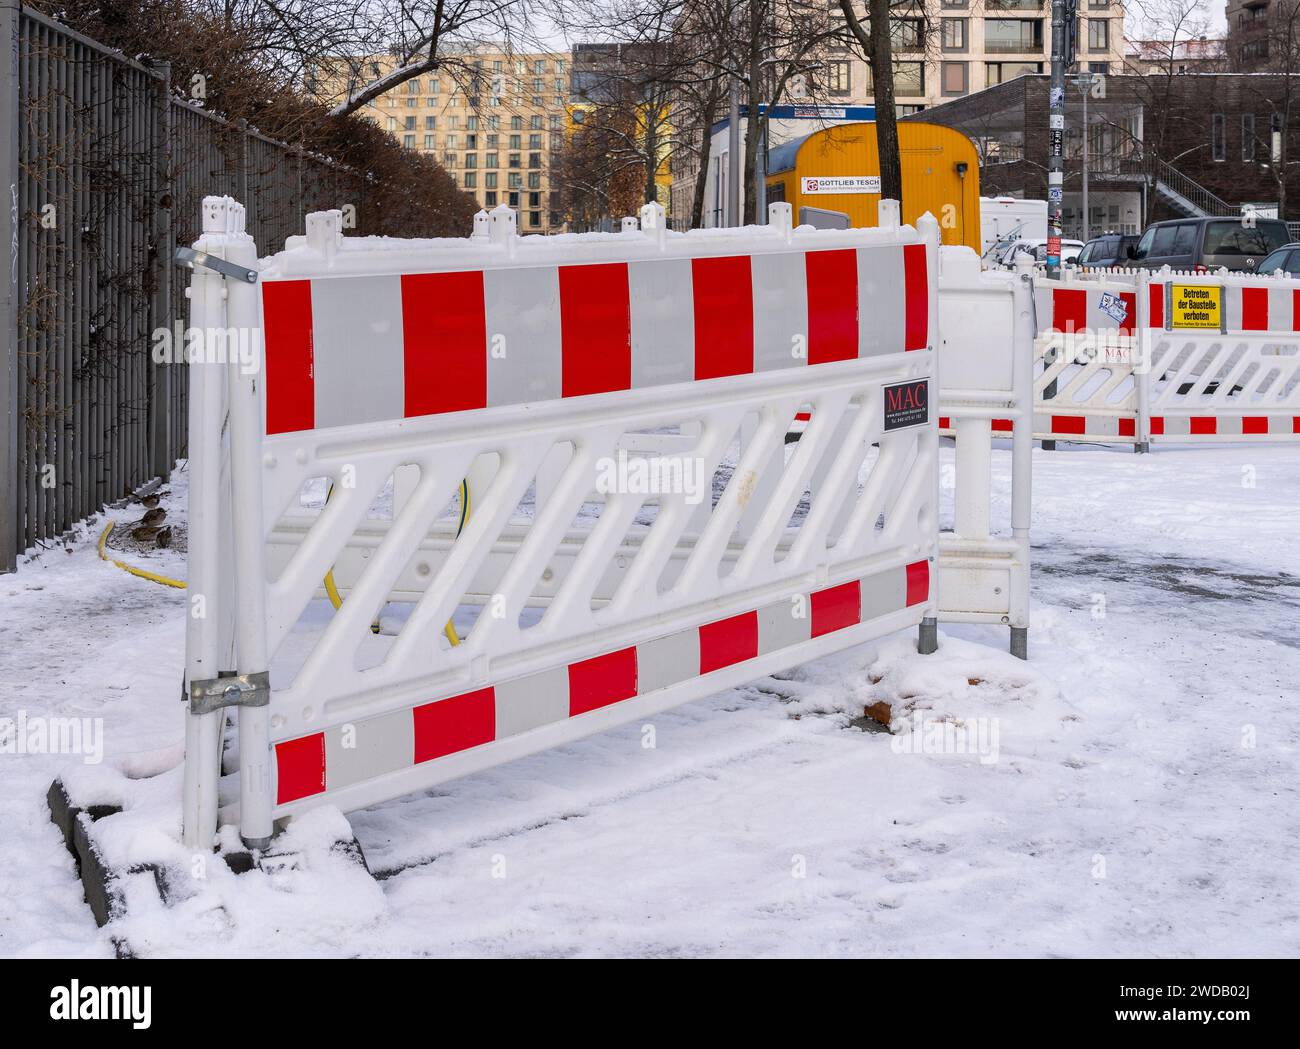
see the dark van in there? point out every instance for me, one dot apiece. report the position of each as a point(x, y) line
point(1109, 249)
point(1207, 244)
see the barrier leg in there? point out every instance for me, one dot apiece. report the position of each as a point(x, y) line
point(927, 640)
point(203, 635)
point(250, 573)
point(1020, 642)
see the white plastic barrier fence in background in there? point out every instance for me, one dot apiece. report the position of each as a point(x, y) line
point(498, 395)
point(1137, 356)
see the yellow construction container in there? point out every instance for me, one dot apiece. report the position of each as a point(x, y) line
point(838, 169)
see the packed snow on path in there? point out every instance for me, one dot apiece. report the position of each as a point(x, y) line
point(1132, 790)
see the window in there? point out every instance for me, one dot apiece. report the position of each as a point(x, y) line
point(534, 218)
point(953, 34)
point(490, 180)
point(1098, 34)
point(471, 141)
point(515, 181)
point(1007, 35)
point(1218, 148)
point(392, 123)
point(516, 123)
point(514, 141)
point(471, 160)
point(534, 180)
point(449, 160)
point(1247, 137)
point(534, 200)
point(534, 160)
point(907, 34)
point(557, 123)
point(471, 179)
point(410, 123)
point(539, 67)
point(472, 123)
point(1099, 67)
point(534, 141)
point(839, 78)
point(513, 160)
point(430, 141)
point(430, 123)
point(408, 141)
point(1232, 238)
point(489, 200)
point(1185, 239)
point(909, 78)
point(535, 123)
point(954, 78)
point(490, 160)
point(413, 86)
point(956, 5)
point(1001, 72)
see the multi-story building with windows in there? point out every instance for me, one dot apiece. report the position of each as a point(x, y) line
point(975, 44)
point(494, 120)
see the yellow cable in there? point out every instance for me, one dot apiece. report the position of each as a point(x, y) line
point(336, 599)
point(140, 573)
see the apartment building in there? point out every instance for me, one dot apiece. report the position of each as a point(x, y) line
point(495, 121)
point(976, 44)
point(1259, 34)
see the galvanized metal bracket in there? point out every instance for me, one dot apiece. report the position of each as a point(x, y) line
point(190, 257)
point(236, 690)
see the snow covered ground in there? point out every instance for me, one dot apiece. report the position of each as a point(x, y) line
point(1135, 793)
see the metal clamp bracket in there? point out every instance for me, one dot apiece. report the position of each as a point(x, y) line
point(190, 257)
point(237, 690)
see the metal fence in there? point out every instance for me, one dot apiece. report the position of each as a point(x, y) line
point(105, 170)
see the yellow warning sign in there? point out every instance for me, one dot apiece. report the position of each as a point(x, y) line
point(1196, 306)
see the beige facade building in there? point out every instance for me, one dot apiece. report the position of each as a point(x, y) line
point(976, 44)
point(494, 120)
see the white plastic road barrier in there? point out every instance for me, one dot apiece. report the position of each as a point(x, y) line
point(1165, 356)
point(638, 534)
point(986, 323)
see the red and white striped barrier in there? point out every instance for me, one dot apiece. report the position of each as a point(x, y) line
point(1167, 357)
point(554, 603)
point(486, 338)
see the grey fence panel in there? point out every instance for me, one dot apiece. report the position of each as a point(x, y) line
point(109, 169)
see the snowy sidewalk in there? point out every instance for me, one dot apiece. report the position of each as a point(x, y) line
point(1143, 800)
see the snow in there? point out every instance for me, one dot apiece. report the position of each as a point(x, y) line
point(1141, 798)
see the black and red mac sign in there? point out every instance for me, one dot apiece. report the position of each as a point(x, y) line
point(907, 404)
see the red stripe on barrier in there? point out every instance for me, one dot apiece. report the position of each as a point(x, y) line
point(1254, 424)
point(945, 423)
point(836, 607)
point(1203, 425)
point(1130, 312)
point(1254, 309)
point(287, 331)
point(916, 285)
point(1128, 427)
point(728, 641)
point(724, 316)
point(598, 682)
point(918, 583)
point(454, 724)
point(1003, 425)
point(832, 305)
point(299, 768)
point(1295, 424)
point(595, 329)
point(444, 343)
point(1156, 300)
point(802, 417)
point(1069, 424)
point(1157, 425)
point(1069, 310)
point(1295, 311)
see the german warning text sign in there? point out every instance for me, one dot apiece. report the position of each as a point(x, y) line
point(1196, 306)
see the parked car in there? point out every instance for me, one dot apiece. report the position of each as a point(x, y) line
point(1037, 247)
point(1286, 259)
point(1208, 243)
point(1110, 249)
